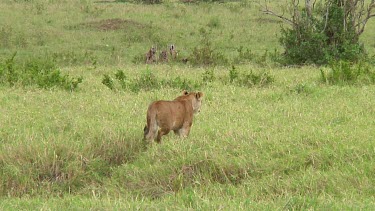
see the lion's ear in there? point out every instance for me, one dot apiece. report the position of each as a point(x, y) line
point(185, 92)
point(199, 95)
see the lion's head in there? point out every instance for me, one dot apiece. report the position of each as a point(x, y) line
point(196, 99)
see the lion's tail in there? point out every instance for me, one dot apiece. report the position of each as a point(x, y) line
point(151, 128)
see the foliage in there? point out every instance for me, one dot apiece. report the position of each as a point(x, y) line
point(244, 55)
point(42, 73)
point(108, 81)
point(344, 72)
point(205, 54)
point(233, 74)
point(249, 79)
point(181, 83)
point(208, 76)
point(146, 81)
point(328, 33)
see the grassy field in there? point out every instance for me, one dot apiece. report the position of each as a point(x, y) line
point(295, 143)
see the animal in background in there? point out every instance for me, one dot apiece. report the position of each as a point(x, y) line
point(151, 55)
point(172, 51)
point(163, 56)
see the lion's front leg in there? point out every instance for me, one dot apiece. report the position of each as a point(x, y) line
point(185, 130)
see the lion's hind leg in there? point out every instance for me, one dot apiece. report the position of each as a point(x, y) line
point(150, 131)
point(177, 132)
point(161, 132)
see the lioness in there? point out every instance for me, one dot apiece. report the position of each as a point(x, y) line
point(176, 115)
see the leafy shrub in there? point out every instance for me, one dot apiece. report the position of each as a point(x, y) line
point(182, 84)
point(41, 73)
point(253, 79)
point(205, 54)
point(233, 74)
point(244, 55)
point(108, 81)
point(122, 78)
point(208, 76)
point(344, 72)
point(146, 81)
point(322, 37)
point(249, 79)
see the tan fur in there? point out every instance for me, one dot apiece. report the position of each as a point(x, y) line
point(151, 56)
point(176, 115)
point(173, 52)
point(164, 56)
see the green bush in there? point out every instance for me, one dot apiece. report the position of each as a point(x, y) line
point(249, 79)
point(233, 74)
point(317, 39)
point(344, 72)
point(181, 84)
point(146, 81)
point(108, 82)
point(208, 76)
point(244, 55)
point(42, 73)
point(205, 54)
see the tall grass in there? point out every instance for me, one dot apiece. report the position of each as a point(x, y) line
point(267, 137)
point(252, 145)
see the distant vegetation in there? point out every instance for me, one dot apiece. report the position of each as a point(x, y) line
point(41, 73)
point(147, 80)
point(323, 31)
point(343, 72)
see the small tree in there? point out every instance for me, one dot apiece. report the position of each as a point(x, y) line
point(322, 31)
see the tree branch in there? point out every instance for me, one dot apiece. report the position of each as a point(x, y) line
point(369, 14)
point(267, 11)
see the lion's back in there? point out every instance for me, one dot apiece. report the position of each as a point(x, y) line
point(170, 114)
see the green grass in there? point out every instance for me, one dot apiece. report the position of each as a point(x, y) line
point(295, 143)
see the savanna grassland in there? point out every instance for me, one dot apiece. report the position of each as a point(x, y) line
point(268, 137)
